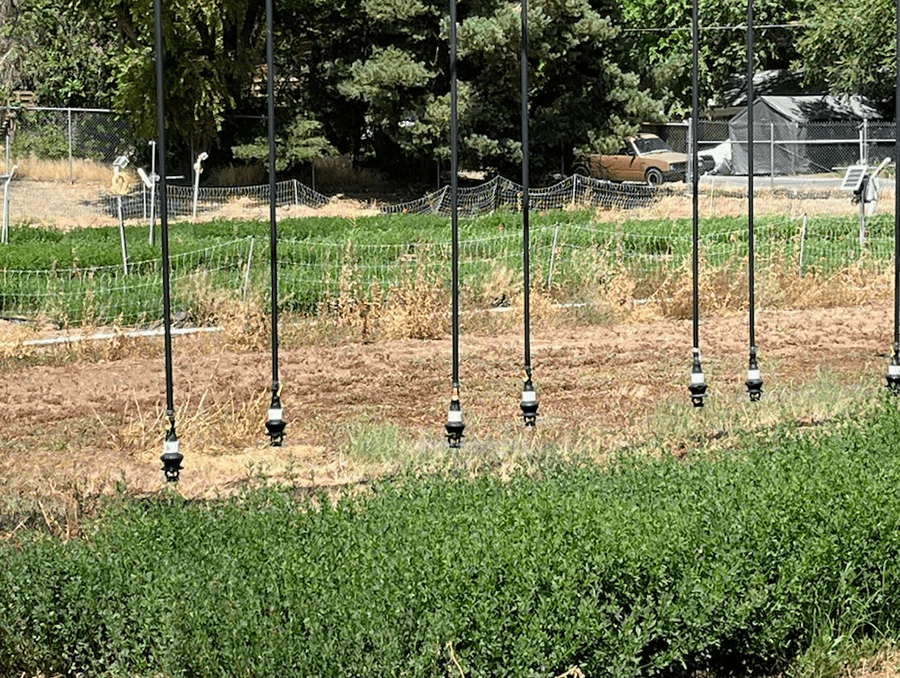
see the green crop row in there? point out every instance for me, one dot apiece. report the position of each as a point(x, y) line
point(76, 276)
point(651, 566)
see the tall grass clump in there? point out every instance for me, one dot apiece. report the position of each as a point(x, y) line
point(733, 565)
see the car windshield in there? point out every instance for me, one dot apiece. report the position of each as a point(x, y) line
point(647, 145)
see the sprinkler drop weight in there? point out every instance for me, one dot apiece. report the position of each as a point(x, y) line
point(893, 375)
point(275, 424)
point(455, 425)
point(529, 403)
point(754, 380)
point(698, 383)
point(171, 456)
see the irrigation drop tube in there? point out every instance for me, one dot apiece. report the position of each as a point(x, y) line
point(529, 403)
point(754, 380)
point(275, 423)
point(698, 380)
point(454, 425)
point(171, 456)
point(893, 375)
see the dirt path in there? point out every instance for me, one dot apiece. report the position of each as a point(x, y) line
point(612, 385)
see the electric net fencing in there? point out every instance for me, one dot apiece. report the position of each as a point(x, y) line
point(574, 262)
point(107, 295)
point(501, 194)
point(208, 201)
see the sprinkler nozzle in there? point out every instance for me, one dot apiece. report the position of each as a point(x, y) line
point(754, 380)
point(893, 375)
point(455, 425)
point(698, 383)
point(275, 423)
point(529, 403)
point(171, 456)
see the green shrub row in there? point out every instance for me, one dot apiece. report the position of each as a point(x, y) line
point(650, 567)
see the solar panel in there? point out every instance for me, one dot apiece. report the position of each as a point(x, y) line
point(854, 177)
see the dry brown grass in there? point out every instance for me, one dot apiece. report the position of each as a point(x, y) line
point(82, 171)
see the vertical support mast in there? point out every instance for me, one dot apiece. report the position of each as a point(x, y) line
point(275, 423)
point(893, 377)
point(754, 381)
point(454, 425)
point(529, 404)
point(171, 456)
point(698, 380)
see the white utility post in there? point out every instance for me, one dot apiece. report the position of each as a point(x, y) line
point(4, 234)
point(120, 187)
point(198, 169)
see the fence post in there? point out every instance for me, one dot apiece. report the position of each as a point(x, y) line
point(552, 257)
point(71, 174)
point(574, 189)
point(247, 271)
point(802, 245)
point(122, 235)
point(772, 156)
point(297, 189)
point(5, 233)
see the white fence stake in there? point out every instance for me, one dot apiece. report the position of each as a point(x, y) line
point(5, 232)
point(552, 257)
point(247, 271)
point(122, 236)
point(802, 245)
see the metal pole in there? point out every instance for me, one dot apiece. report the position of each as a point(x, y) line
point(698, 380)
point(754, 382)
point(275, 424)
point(552, 257)
point(893, 377)
point(454, 425)
point(153, 179)
point(4, 236)
point(171, 457)
point(771, 156)
point(122, 235)
point(71, 174)
point(529, 404)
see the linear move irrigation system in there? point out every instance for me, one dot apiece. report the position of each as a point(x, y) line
point(275, 424)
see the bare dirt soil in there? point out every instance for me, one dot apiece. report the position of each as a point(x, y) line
point(96, 413)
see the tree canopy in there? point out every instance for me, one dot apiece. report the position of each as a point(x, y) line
point(370, 78)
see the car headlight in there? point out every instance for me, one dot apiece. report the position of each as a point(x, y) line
point(678, 167)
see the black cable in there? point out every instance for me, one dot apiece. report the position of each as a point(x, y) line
point(754, 382)
point(275, 423)
point(454, 425)
point(893, 377)
point(171, 456)
point(698, 380)
point(529, 404)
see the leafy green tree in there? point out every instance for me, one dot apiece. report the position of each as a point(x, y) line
point(659, 35)
point(301, 141)
point(850, 47)
point(213, 49)
point(58, 51)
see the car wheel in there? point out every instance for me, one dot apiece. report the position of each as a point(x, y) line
point(654, 177)
point(581, 171)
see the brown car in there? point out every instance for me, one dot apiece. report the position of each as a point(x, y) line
point(644, 157)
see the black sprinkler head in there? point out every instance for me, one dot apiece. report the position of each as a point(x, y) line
point(275, 423)
point(893, 375)
point(171, 457)
point(754, 380)
point(455, 425)
point(698, 384)
point(529, 404)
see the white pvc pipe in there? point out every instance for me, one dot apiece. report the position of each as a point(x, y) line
point(4, 235)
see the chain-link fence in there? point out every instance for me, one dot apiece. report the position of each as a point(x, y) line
point(66, 133)
point(784, 147)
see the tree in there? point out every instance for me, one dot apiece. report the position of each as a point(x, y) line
point(213, 48)
point(661, 45)
point(58, 51)
point(850, 48)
